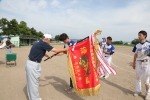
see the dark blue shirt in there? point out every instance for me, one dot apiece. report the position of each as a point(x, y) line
point(38, 50)
point(8, 43)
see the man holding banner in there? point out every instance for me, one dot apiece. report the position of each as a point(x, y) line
point(85, 62)
point(64, 37)
point(82, 66)
point(33, 66)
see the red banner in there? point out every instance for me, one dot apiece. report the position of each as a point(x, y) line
point(82, 68)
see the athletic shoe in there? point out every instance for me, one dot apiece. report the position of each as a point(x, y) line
point(137, 94)
point(67, 89)
point(106, 76)
point(102, 75)
point(71, 91)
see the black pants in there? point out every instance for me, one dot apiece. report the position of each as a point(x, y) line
point(71, 85)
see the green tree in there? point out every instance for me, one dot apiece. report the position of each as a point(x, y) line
point(1, 33)
point(135, 41)
point(125, 43)
point(33, 31)
point(4, 26)
point(117, 42)
point(28, 31)
point(57, 37)
point(40, 34)
point(23, 28)
point(14, 27)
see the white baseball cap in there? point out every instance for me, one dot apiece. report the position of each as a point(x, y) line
point(48, 36)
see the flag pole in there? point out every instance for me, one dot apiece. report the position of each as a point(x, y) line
point(96, 33)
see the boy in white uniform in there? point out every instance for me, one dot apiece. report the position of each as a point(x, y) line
point(141, 64)
point(108, 51)
point(103, 43)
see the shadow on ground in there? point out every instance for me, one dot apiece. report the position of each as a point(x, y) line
point(59, 85)
point(1, 62)
point(130, 64)
point(124, 90)
point(25, 92)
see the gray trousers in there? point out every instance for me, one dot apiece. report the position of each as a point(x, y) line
point(8, 50)
point(33, 73)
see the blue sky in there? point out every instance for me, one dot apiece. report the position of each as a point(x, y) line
point(121, 19)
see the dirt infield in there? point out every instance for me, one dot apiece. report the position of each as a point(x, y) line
point(55, 78)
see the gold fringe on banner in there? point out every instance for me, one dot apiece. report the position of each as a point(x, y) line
point(89, 91)
point(81, 92)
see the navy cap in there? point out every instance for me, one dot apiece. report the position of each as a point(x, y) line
point(8, 37)
point(103, 38)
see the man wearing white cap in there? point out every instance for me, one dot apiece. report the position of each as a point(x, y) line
point(33, 67)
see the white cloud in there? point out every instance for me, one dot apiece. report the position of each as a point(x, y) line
point(42, 3)
point(125, 23)
point(122, 24)
point(55, 3)
point(74, 2)
point(69, 11)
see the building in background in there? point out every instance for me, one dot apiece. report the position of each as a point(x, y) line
point(21, 40)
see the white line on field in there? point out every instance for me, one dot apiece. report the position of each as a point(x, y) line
point(121, 68)
point(124, 54)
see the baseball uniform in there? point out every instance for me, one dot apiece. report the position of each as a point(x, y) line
point(142, 65)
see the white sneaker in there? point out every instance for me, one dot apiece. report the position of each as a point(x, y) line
point(137, 94)
point(67, 89)
point(71, 91)
point(147, 97)
point(102, 75)
point(40, 98)
point(106, 76)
